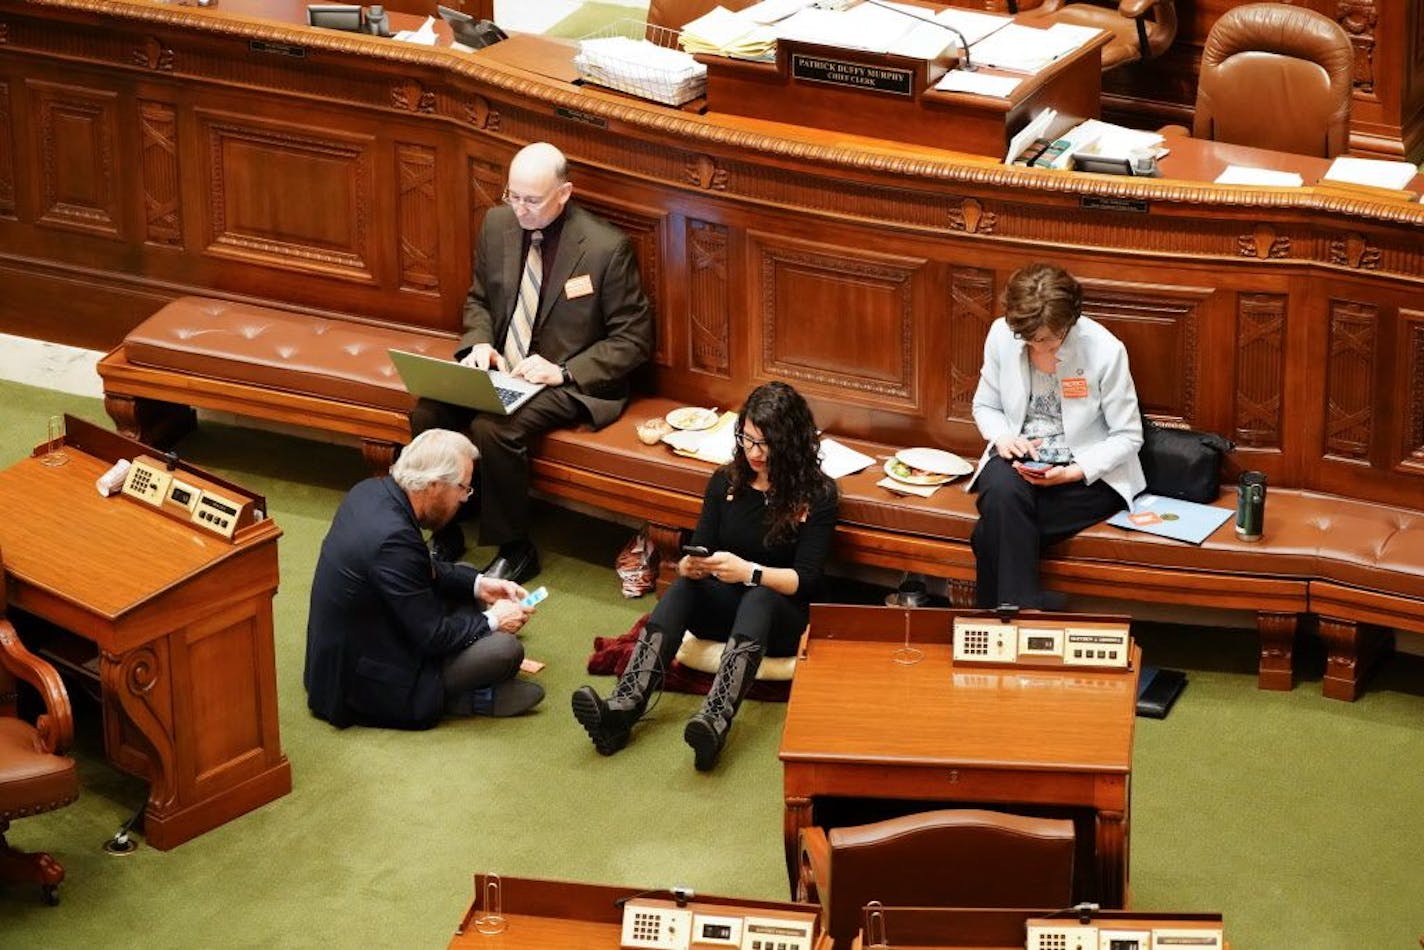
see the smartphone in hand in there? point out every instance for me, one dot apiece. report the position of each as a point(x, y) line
point(695, 550)
point(535, 597)
point(1035, 469)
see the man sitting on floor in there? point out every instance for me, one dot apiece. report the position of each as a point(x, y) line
point(395, 637)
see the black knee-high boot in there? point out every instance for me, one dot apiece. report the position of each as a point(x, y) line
point(707, 731)
point(609, 722)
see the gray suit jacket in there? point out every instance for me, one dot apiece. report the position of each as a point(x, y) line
point(600, 336)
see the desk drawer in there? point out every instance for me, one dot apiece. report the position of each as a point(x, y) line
point(952, 784)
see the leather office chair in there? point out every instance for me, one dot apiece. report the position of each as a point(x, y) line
point(951, 858)
point(35, 774)
point(1279, 77)
point(675, 14)
point(1141, 29)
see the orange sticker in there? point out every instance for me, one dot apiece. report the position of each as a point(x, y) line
point(1075, 387)
point(580, 286)
point(1144, 518)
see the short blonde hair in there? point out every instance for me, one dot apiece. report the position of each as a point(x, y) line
point(433, 456)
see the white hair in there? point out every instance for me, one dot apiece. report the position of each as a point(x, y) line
point(433, 456)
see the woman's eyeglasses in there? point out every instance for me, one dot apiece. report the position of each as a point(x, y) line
point(1042, 339)
point(748, 443)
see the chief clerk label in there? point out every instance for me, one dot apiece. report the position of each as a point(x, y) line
point(851, 75)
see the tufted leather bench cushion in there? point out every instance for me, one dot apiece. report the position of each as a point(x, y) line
point(1308, 535)
point(278, 349)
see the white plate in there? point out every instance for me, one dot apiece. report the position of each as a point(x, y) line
point(937, 461)
point(922, 480)
point(692, 419)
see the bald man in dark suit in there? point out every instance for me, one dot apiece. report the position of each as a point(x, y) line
point(578, 322)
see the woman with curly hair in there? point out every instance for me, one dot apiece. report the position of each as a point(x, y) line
point(767, 521)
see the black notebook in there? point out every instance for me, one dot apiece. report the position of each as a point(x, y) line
point(1157, 690)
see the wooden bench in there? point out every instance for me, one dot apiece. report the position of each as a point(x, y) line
point(1358, 565)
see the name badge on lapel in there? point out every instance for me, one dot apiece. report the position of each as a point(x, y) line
point(576, 287)
point(1075, 387)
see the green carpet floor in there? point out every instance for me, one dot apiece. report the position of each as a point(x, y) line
point(1295, 816)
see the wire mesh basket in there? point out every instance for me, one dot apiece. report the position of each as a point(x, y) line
point(643, 60)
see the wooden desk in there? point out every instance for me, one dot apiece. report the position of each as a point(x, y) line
point(183, 623)
point(861, 725)
point(959, 928)
point(562, 915)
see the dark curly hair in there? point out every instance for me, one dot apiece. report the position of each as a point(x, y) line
point(794, 457)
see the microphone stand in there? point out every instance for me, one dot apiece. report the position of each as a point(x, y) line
point(964, 63)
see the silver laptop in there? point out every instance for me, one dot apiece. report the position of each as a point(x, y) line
point(447, 381)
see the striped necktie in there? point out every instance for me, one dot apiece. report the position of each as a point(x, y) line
point(521, 328)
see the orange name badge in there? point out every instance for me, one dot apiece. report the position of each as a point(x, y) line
point(580, 286)
point(1144, 518)
point(1075, 387)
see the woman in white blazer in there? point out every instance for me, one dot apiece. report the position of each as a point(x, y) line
point(1058, 408)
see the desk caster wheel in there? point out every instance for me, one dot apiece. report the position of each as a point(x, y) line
point(49, 893)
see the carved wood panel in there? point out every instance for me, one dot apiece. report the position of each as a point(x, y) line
point(1260, 369)
point(419, 218)
point(1412, 450)
point(78, 132)
point(971, 311)
point(838, 320)
point(162, 198)
point(644, 228)
point(1350, 380)
point(709, 307)
point(7, 155)
point(289, 197)
point(1160, 327)
point(1359, 19)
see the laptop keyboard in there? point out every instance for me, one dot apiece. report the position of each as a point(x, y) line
point(507, 396)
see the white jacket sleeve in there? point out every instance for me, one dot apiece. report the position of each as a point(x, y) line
point(1120, 413)
point(988, 400)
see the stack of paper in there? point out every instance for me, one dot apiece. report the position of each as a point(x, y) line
point(839, 460)
point(1026, 49)
point(642, 68)
point(1372, 172)
point(1245, 175)
point(724, 33)
point(425, 36)
point(770, 11)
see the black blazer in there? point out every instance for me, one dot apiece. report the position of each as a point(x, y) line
point(600, 336)
point(381, 619)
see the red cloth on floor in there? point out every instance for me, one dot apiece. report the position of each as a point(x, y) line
point(611, 654)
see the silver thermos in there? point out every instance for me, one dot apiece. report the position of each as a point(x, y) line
point(1250, 505)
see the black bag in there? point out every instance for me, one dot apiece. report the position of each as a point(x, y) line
point(1182, 463)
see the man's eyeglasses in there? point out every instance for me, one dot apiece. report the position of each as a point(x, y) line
point(466, 490)
point(524, 201)
point(748, 443)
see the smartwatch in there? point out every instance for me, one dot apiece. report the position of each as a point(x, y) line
point(755, 579)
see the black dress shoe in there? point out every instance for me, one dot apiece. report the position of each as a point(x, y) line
point(516, 563)
point(448, 543)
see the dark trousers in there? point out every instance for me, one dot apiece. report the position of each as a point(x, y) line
point(1017, 520)
point(489, 661)
point(714, 610)
point(504, 459)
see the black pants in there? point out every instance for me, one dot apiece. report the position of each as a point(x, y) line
point(714, 610)
point(504, 460)
point(1017, 520)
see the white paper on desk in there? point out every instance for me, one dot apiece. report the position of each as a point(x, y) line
point(770, 11)
point(982, 84)
point(1114, 141)
point(1036, 129)
point(839, 460)
point(425, 36)
point(974, 26)
point(1026, 49)
point(725, 33)
point(900, 488)
point(1246, 175)
point(1371, 171)
point(864, 27)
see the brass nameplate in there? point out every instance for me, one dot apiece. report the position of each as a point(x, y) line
point(578, 115)
point(836, 72)
point(281, 49)
point(1113, 203)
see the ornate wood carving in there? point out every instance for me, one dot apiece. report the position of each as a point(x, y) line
point(1263, 243)
point(971, 310)
point(1350, 380)
point(1353, 250)
point(162, 198)
point(4, 33)
point(411, 96)
point(480, 114)
point(135, 682)
point(970, 217)
point(78, 134)
point(153, 55)
point(248, 220)
point(7, 152)
point(868, 300)
point(706, 173)
point(643, 227)
point(419, 219)
point(486, 185)
point(1359, 18)
point(1159, 325)
point(1260, 369)
point(709, 307)
point(1412, 450)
